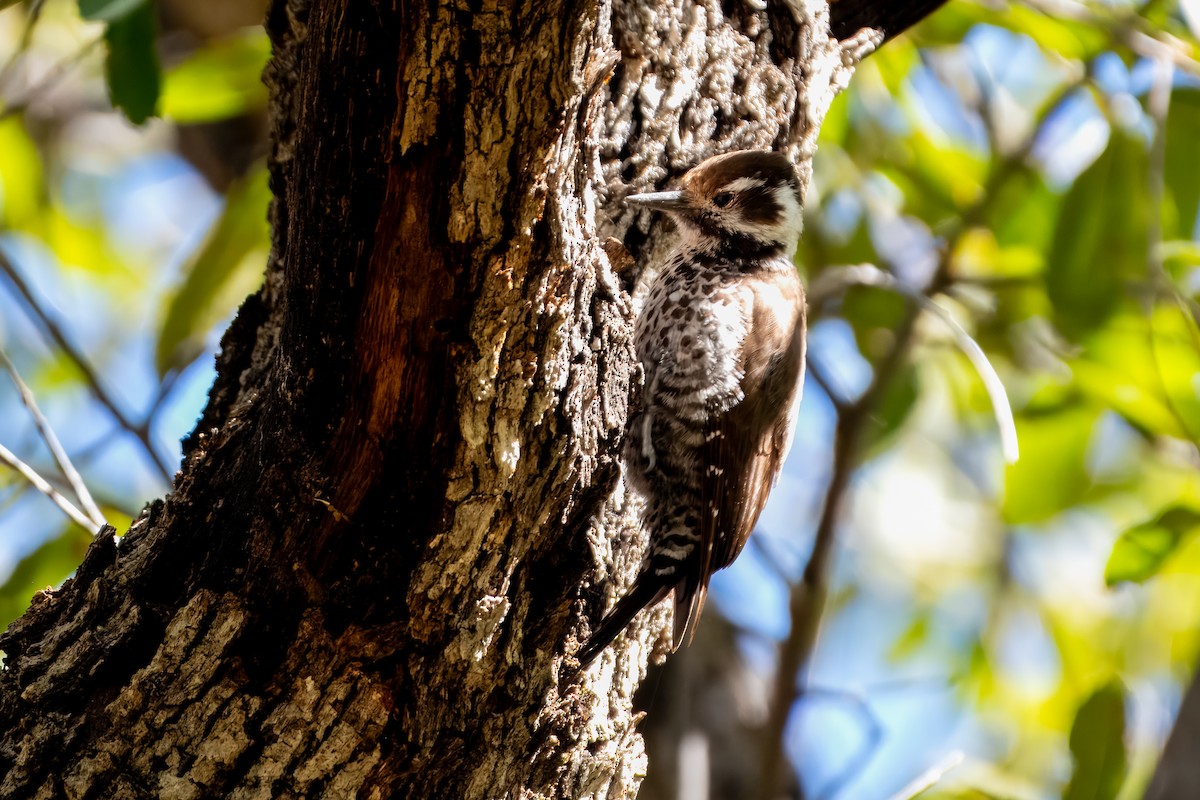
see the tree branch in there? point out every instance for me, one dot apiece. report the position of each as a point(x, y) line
point(847, 17)
point(42, 485)
point(52, 328)
point(55, 446)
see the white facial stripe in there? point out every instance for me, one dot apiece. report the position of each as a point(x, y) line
point(743, 184)
point(793, 215)
point(787, 230)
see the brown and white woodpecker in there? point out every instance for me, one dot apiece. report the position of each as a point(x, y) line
point(721, 341)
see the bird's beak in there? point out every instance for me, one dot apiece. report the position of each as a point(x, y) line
point(663, 201)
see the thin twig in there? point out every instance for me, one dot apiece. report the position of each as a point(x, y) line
point(34, 14)
point(51, 78)
point(43, 486)
point(1158, 104)
point(808, 597)
point(836, 397)
point(857, 761)
point(55, 331)
point(56, 449)
point(838, 280)
point(929, 777)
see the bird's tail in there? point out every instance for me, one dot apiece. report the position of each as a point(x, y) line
point(645, 592)
point(689, 602)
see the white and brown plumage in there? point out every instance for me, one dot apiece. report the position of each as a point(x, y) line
point(721, 340)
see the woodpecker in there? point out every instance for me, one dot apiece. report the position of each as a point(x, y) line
point(721, 338)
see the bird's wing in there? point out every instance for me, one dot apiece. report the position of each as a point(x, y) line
point(743, 451)
point(745, 448)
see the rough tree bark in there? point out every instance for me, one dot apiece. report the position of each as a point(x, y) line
point(402, 502)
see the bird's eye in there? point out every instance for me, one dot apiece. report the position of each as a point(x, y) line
point(723, 199)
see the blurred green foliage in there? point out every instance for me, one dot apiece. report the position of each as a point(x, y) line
point(1042, 174)
point(139, 292)
point(224, 270)
point(1098, 745)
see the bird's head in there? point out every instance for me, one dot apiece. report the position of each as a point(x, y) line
point(741, 203)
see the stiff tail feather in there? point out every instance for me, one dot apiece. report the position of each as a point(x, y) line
point(689, 602)
point(644, 593)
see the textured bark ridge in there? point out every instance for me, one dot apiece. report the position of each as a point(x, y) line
point(403, 498)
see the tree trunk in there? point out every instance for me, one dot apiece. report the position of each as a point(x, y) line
point(402, 504)
point(1177, 776)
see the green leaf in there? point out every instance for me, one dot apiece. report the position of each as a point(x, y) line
point(895, 64)
point(1180, 256)
point(20, 174)
point(1141, 551)
point(107, 10)
point(874, 314)
point(857, 248)
point(1023, 211)
point(1057, 35)
point(1098, 243)
point(47, 566)
point(948, 27)
point(1144, 368)
point(978, 255)
point(1182, 165)
point(895, 404)
point(938, 181)
point(220, 81)
point(911, 639)
point(132, 64)
point(1054, 34)
point(837, 122)
point(227, 267)
point(1052, 473)
point(1098, 745)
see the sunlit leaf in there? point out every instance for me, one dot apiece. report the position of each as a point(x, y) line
point(227, 267)
point(81, 244)
point(1052, 473)
point(911, 639)
point(132, 64)
point(938, 181)
point(948, 26)
point(1145, 369)
point(20, 174)
point(1053, 34)
point(47, 566)
point(895, 63)
point(220, 81)
point(1098, 243)
point(979, 255)
point(1180, 257)
point(1141, 551)
point(837, 122)
point(1098, 745)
